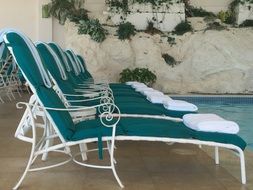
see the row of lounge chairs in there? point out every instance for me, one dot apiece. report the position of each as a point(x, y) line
point(9, 79)
point(77, 111)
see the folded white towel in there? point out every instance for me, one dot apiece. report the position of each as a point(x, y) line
point(153, 92)
point(158, 99)
point(131, 82)
point(141, 89)
point(138, 85)
point(210, 123)
point(148, 90)
point(179, 105)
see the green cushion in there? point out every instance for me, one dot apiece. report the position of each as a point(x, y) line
point(52, 67)
point(148, 108)
point(84, 64)
point(47, 96)
point(49, 61)
point(81, 75)
point(56, 50)
point(127, 99)
point(120, 94)
point(92, 129)
point(81, 59)
point(24, 59)
point(221, 138)
point(154, 128)
point(119, 86)
point(162, 128)
point(62, 119)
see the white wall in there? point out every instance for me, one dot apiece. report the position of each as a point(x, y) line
point(44, 25)
point(19, 14)
point(25, 15)
point(95, 8)
point(58, 33)
point(244, 13)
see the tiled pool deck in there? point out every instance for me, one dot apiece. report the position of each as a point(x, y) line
point(141, 165)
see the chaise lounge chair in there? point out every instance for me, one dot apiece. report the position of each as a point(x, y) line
point(108, 125)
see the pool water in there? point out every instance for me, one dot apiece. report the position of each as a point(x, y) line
point(240, 113)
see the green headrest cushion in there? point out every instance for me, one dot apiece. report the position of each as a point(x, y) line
point(24, 59)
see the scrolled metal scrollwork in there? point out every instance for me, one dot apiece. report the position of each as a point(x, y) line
point(109, 118)
point(106, 103)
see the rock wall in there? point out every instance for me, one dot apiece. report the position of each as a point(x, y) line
point(210, 62)
point(244, 12)
point(213, 6)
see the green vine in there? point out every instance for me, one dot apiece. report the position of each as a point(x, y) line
point(63, 9)
point(169, 60)
point(126, 30)
point(74, 11)
point(183, 28)
point(233, 6)
point(123, 5)
point(143, 75)
point(247, 23)
point(93, 28)
point(156, 2)
point(79, 15)
point(120, 5)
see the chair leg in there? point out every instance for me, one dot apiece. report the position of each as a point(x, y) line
point(216, 155)
point(28, 90)
point(109, 148)
point(49, 142)
point(8, 95)
point(26, 169)
point(242, 164)
point(1, 100)
point(83, 148)
point(18, 91)
point(20, 87)
point(112, 159)
point(12, 94)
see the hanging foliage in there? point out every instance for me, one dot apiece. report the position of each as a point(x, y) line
point(63, 9)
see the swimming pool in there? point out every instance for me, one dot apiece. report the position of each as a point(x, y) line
point(238, 109)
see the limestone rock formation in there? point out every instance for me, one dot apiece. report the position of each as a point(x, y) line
point(210, 62)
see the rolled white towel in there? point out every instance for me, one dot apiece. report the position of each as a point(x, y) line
point(158, 99)
point(138, 85)
point(132, 82)
point(154, 93)
point(148, 90)
point(179, 105)
point(210, 123)
point(141, 89)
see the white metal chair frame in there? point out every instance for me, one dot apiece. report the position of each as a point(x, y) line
point(5, 88)
point(45, 145)
point(10, 82)
point(90, 92)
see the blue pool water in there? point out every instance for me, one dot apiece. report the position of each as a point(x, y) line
point(240, 113)
point(236, 109)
